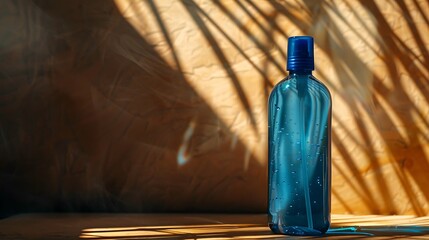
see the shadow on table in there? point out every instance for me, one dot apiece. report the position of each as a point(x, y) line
point(247, 231)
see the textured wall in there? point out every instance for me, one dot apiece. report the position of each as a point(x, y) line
point(161, 105)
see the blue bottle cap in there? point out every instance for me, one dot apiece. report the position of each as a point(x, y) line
point(300, 52)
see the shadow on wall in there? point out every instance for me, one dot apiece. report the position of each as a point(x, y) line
point(392, 119)
point(94, 117)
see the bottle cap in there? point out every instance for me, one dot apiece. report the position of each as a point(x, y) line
point(300, 53)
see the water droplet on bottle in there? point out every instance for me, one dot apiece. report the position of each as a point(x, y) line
point(293, 172)
point(314, 202)
point(297, 182)
point(290, 206)
point(298, 142)
point(277, 108)
point(319, 182)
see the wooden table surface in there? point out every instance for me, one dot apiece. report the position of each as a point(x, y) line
point(197, 226)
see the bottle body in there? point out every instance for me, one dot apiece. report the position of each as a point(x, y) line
point(299, 155)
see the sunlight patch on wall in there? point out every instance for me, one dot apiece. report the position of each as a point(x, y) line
point(372, 59)
point(217, 61)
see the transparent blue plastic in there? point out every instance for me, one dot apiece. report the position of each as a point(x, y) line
point(299, 154)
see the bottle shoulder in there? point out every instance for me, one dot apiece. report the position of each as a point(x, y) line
point(321, 84)
point(276, 87)
point(289, 85)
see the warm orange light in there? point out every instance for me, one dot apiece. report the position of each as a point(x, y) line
point(231, 53)
point(365, 225)
point(215, 231)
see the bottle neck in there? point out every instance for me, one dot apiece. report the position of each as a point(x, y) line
point(300, 73)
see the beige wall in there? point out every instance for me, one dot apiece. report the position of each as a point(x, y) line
point(161, 105)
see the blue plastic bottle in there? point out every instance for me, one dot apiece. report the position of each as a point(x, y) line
point(299, 147)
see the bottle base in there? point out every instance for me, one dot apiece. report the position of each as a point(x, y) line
point(295, 230)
